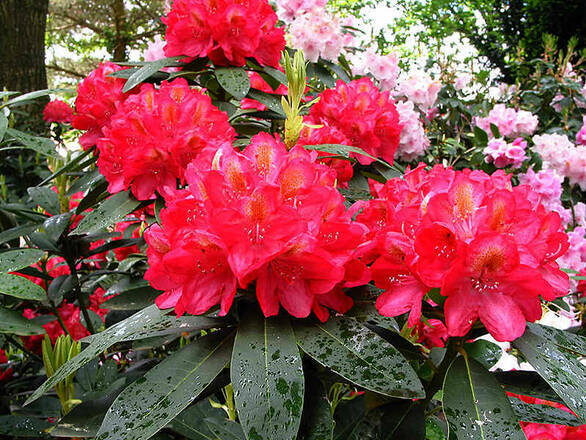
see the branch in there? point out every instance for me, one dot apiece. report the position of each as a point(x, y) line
point(64, 70)
point(80, 22)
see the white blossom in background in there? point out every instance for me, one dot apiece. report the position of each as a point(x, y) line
point(383, 68)
point(414, 142)
point(421, 89)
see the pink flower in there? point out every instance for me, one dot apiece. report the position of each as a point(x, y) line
point(287, 10)
point(503, 154)
point(421, 89)
point(510, 122)
point(58, 111)
point(581, 136)
point(558, 153)
point(414, 142)
point(384, 68)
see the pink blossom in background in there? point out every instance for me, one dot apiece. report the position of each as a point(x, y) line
point(575, 257)
point(461, 81)
point(155, 51)
point(581, 136)
point(560, 154)
point(414, 142)
point(287, 10)
point(510, 122)
point(384, 68)
point(421, 89)
point(502, 154)
point(319, 34)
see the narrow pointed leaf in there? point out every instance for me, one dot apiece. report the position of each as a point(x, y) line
point(267, 377)
point(273, 102)
point(561, 369)
point(151, 402)
point(46, 198)
point(535, 413)
point(561, 338)
point(359, 355)
point(147, 71)
point(19, 258)
point(234, 80)
point(41, 145)
point(111, 211)
point(343, 151)
point(20, 287)
point(13, 322)
point(225, 429)
point(475, 405)
point(318, 421)
point(3, 125)
point(190, 423)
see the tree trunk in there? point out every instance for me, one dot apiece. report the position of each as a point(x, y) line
point(121, 29)
point(22, 54)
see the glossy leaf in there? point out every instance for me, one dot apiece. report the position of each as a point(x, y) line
point(16, 232)
point(475, 406)
point(359, 355)
point(190, 423)
point(41, 145)
point(273, 102)
point(46, 198)
point(111, 211)
point(536, 413)
point(343, 151)
point(225, 429)
point(18, 258)
point(23, 426)
point(13, 322)
point(20, 287)
point(318, 422)
point(405, 420)
point(134, 299)
point(561, 338)
point(560, 368)
point(147, 71)
point(148, 322)
point(152, 401)
point(486, 352)
point(526, 383)
point(3, 125)
point(267, 377)
point(234, 80)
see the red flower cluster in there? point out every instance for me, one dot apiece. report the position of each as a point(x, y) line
point(156, 133)
point(264, 215)
point(70, 315)
point(97, 96)
point(360, 115)
point(227, 31)
point(58, 111)
point(582, 283)
point(7, 372)
point(489, 247)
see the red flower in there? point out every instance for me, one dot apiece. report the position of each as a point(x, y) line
point(97, 96)
point(432, 333)
point(264, 215)
point(58, 111)
point(582, 283)
point(364, 115)
point(156, 133)
point(4, 373)
point(227, 31)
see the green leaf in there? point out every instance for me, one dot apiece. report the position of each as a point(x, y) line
point(20, 287)
point(111, 211)
point(152, 401)
point(234, 80)
point(495, 131)
point(134, 299)
point(33, 95)
point(561, 338)
point(16, 232)
point(276, 74)
point(23, 426)
point(267, 377)
point(343, 151)
point(273, 102)
point(225, 429)
point(405, 420)
point(475, 405)
point(190, 423)
point(480, 137)
point(318, 421)
point(46, 198)
point(3, 125)
point(359, 355)
point(148, 322)
point(526, 383)
point(18, 258)
point(561, 370)
point(147, 71)
point(365, 311)
point(537, 413)
point(41, 145)
point(13, 322)
point(485, 352)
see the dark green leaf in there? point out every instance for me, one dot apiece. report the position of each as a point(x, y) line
point(18, 258)
point(23, 426)
point(480, 137)
point(190, 423)
point(359, 355)
point(32, 95)
point(561, 338)
point(560, 368)
point(20, 287)
point(13, 322)
point(536, 413)
point(348, 415)
point(276, 74)
point(234, 80)
point(267, 377)
point(135, 299)
point(148, 322)
point(433, 430)
point(111, 211)
point(152, 401)
point(475, 406)
point(526, 383)
point(485, 352)
point(3, 125)
point(495, 130)
point(365, 311)
point(273, 102)
point(318, 422)
point(343, 151)
point(46, 198)
point(72, 165)
point(39, 144)
point(16, 232)
point(225, 429)
point(402, 421)
point(147, 71)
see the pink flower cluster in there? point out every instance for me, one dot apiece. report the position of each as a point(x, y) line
point(264, 215)
point(319, 33)
point(558, 153)
point(287, 10)
point(581, 135)
point(384, 68)
point(503, 154)
point(575, 258)
point(510, 122)
point(156, 133)
point(156, 51)
point(226, 31)
point(421, 89)
point(414, 142)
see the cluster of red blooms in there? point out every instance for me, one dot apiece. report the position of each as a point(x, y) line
point(58, 111)
point(539, 431)
point(97, 96)
point(264, 215)
point(156, 133)
point(489, 247)
point(5, 373)
point(226, 31)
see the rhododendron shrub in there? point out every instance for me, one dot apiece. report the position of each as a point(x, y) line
point(255, 246)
